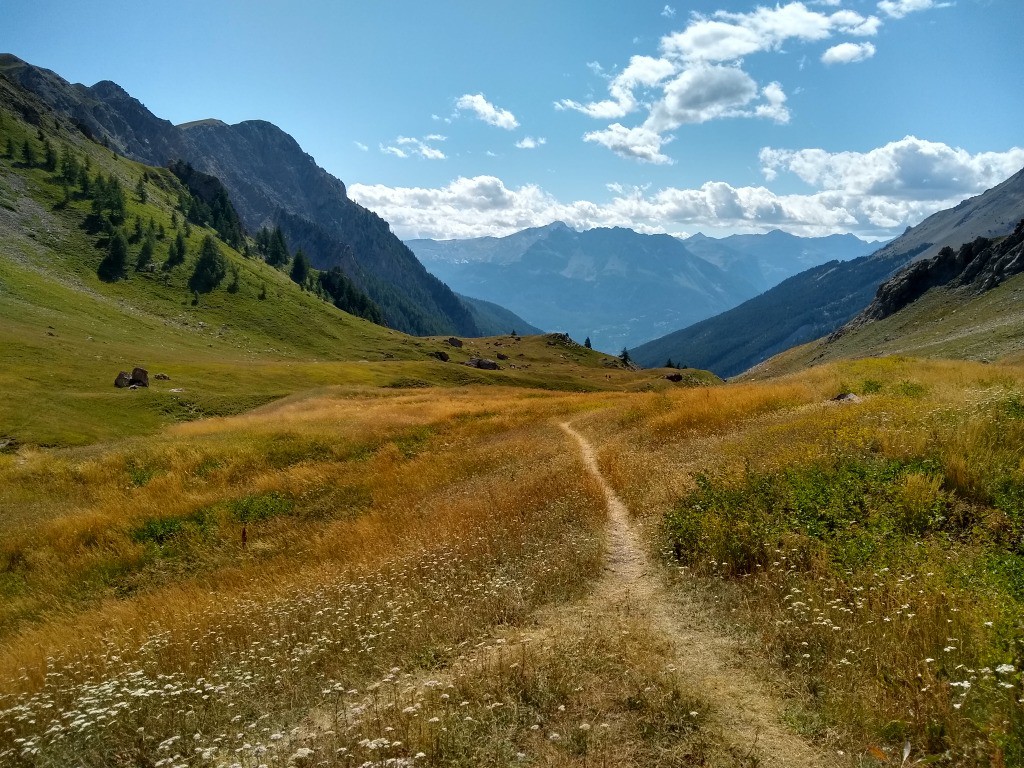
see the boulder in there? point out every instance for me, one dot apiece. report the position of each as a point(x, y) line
point(674, 377)
point(454, 342)
point(140, 377)
point(502, 356)
point(122, 380)
point(441, 355)
point(846, 397)
point(162, 377)
point(482, 363)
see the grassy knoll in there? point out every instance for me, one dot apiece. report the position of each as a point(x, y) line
point(873, 549)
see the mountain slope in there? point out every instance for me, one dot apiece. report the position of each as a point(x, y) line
point(820, 300)
point(614, 285)
point(267, 175)
point(768, 259)
point(958, 304)
point(494, 320)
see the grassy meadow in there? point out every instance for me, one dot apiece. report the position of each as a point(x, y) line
point(871, 550)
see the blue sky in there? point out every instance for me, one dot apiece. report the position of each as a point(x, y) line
point(465, 118)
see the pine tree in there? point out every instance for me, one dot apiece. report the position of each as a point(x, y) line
point(586, 343)
point(115, 264)
point(624, 356)
point(140, 190)
point(49, 156)
point(175, 252)
point(10, 147)
point(211, 267)
point(28, 154)
point(277, 249)
point(300, 268)
point(145, 254)
point(233, 285)
point(669, 363)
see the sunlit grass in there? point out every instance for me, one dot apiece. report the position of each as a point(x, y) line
point(872, 548)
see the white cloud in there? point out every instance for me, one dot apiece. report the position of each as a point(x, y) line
point(848, 53)
point(900, 8)
point(528, 142)
point(726, 36)
point(908, 169)
point(490, 114)
point(361, 147)
point(699, 77)
point(638, 143)
point(700, 94)
point(641, 72)
point(873, 194)
point(668, 11)
point(406, 146)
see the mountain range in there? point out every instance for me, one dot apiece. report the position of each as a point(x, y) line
point(271, 182)
point(817, 301)
point(619, 287)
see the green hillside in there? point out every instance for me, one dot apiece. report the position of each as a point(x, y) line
point(65, 333)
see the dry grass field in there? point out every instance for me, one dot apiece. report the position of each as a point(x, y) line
point(431, 576)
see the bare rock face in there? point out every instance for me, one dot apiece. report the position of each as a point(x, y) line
point(978, 266)
point(123, 380)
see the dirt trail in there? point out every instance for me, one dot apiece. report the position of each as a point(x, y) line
point(749, 716)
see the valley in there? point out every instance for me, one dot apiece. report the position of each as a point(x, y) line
point(381, 502)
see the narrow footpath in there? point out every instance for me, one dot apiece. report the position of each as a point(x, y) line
point(750, 717)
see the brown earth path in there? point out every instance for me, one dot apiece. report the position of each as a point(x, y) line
point(749, 716)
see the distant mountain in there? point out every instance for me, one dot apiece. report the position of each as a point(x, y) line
point(766, 260)
point(818, 301)
point(270, 181)
point(614, 285)
point(667, 285)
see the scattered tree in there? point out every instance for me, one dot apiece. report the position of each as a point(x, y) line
point(211, 267)
point(277, 249)
point(49, 156)
point(586, 343)
point(233, 285)
point(624, 356)
point(115, 264)
point(145, 254)
point(300, 268)
point(669, 363)
point(140, 190)
point(175, 252)
point(28, 154)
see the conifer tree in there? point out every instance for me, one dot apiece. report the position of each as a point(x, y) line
point(277, 249)
point(300, 268)
point(10, 147)
point(115, 264)
point(145, 254)
point(49, 156)
point(175, 252)
point(586, 343)
point(624, 356)
point(211, 267)
point(140, 190)
point(27, 153)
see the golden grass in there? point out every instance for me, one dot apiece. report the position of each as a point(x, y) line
point(906, 644)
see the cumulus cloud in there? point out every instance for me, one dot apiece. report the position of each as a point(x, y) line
point(725, 36)
point(483, 109)
point(642, 71)
point(908, 169)
point(698, 75)
point(848, 53)
point(873, 194)
point(406, 146)
point(639, 143)
point(528, 142)
point(897, 9)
